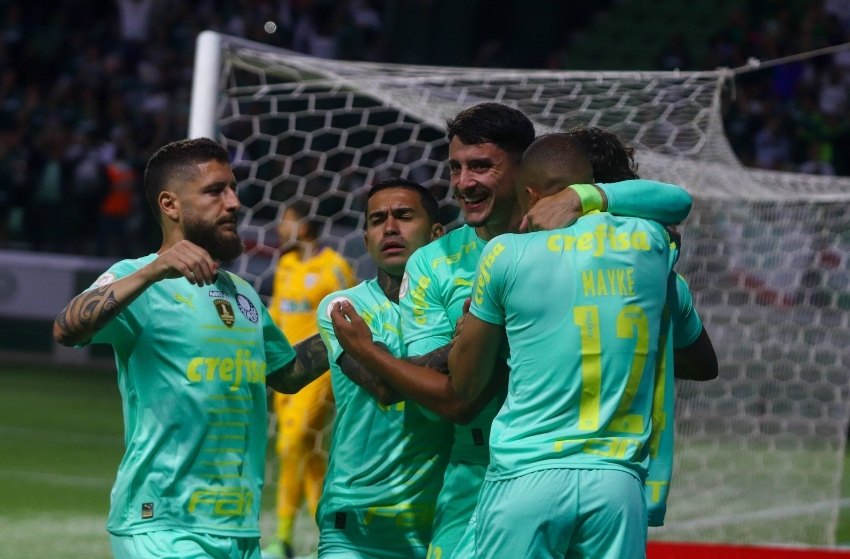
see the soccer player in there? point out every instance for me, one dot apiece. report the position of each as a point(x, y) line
point(486, 146)
point(304, 275)
point(387, 459)
point(194, 348)
point(569, 448)
point(693, 352)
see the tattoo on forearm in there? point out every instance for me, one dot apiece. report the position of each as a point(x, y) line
point(437, 359)
point(89, 311)
point(311, 360)
point(367, 380)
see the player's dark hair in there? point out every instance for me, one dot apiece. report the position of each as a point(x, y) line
point(611, 159)
point(563, 156)
point(176, 161)
point(304, 210)
point(498, 124)
point(429, 203)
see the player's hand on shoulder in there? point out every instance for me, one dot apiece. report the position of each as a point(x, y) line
point(188, 260)
point(553, 212)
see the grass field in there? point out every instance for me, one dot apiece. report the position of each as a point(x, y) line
point(61, 439)
point(60, 444)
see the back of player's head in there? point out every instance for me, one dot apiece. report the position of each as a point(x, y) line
point(176, 162)
point(303, 211)
point(557, 160)
point(494, 123)
point(611, 159)
point(429, 203)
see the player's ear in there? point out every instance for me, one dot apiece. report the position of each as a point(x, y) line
point(533, 196)
point(437, 231)
point(169, 205)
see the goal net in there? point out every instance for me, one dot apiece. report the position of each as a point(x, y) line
point(760, 450)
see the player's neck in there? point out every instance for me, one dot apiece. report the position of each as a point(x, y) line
point(307, 249)
point(495, 228)
point(389, 284)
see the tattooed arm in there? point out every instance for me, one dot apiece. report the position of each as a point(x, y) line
point(91, 310)
point(422, 379)
point(311, 360)
point(382, 392)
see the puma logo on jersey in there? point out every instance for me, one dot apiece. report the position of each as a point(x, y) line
point(186, 301)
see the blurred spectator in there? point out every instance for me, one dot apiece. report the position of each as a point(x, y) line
point(116, 208)
point(675, 55)
point(135, 17)
point(46, 217)
point(819, 160)
point(772, 144)
point(76, 75)
point(88, 188)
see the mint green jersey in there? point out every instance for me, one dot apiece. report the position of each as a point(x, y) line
point(681, 327)
point(583, 346)
point(386, 462)
point(438, 280)
point(192, 364)
point(665, 203)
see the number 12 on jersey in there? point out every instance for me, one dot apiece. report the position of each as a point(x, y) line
point(632, 323)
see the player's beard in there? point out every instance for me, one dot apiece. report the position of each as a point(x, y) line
point(222, 247)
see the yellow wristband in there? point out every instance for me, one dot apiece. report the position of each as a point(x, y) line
point(588, 194)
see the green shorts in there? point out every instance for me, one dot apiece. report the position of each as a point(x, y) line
point(186, 545)
point(455, 505)
point(562, 513)
point(379, 532)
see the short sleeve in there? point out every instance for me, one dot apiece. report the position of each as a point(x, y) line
point(425, 323)
point(277, 348)
point(127, 325)
point(490, 279)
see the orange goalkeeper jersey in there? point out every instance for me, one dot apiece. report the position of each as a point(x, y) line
point(299, 286)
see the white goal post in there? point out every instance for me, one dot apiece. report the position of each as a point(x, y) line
point(760, 451)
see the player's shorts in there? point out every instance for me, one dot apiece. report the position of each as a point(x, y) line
point(455, 505)
point(380, 533)
point(562, 513)
point(466, 546)
point(163, 544)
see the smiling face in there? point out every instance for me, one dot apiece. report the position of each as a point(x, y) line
point(397, 225)
point(482, 179)
point(208, 206)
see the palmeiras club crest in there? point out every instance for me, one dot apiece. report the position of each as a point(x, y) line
point(247, 308)
point(225, 311)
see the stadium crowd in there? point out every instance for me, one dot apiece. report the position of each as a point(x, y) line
point(89, 89)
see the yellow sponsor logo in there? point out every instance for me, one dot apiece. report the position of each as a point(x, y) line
point(615, 447)
point(603, 238)
point(403, 516)
point(417, 296)
point(233, 370)
point(232, 501)
point(451, 259)
point(484, 271)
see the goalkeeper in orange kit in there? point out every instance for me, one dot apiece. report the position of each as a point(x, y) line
point(305, 274)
